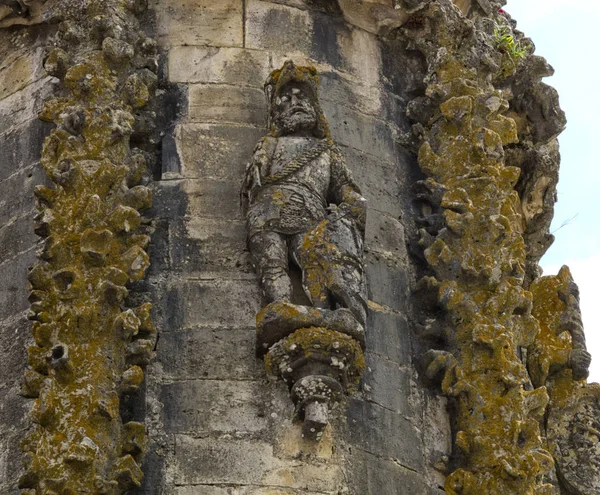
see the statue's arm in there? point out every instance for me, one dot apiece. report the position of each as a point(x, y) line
point(344, 191)
point(256, 169)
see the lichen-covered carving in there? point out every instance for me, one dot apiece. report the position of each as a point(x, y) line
point(558, 359)
point(25, 12)
point(304, 207)
point(472, 240)
point(89, 346)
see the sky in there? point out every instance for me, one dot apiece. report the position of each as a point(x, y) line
point(565, 32)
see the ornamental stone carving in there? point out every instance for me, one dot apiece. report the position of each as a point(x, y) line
point(304, 209)
point(558, 359)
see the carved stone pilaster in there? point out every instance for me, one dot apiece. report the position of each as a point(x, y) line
point(90, 346)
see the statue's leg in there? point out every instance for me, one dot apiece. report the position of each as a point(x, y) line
point(314, 275)
point(270, 253)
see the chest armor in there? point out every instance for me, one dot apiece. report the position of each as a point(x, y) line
point(314, 175)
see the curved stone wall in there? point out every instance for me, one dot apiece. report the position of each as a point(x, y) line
point(217, 422)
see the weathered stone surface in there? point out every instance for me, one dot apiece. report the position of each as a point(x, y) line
point(227, 354)
point(23, 180)
point(13, 292)
point(391, 290)
point(213, 303)
point(340, 88)
point(384, 433)
point(205, 22)
point(385, 235)
point(387, 385)
point(215, 151)
point(21, 72)
point(213, 198)
point(389, 334)
point(194, 64)
point(23, 147)
point(16, 237)
point(381, 181)
point(373, 475)
point(242, 462)
point(222, 103)
point(209, 245)
point(277, 27)
point(201, 407)
point(25, 104)
point(362, 132)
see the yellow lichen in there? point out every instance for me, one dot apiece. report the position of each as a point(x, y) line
point(80, 363)
point(479, 261)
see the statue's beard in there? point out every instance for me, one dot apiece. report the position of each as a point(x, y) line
point(293, 120)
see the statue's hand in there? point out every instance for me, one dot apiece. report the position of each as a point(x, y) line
point(579, 362)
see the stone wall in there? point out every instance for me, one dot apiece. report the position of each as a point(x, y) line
point(400, 79)
point(218, 424)
point(23, 88)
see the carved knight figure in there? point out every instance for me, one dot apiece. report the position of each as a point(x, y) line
point(302, 202)
point(303, 207)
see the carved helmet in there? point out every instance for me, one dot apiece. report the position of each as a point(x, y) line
point(307, 76)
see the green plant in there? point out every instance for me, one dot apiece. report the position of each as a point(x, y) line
point(509, 46)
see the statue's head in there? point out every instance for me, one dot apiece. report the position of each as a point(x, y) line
point(293, 99)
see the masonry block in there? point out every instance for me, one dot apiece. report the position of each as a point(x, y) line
point(200, 461)
point(388, 334)
point(221, 103)
point(270, 26)
point(25, 104)
point(371, 474)
point(199, 244)
point(386, 384)
point(16, 194)
point(214, 198)
point(385, 433)
point(202, 407)
point(216, 151)
point(199, 22)
point(211, 303)
point(389, 284)
point(207, 64)
point(21, 71)
point(215, 354)
point(385, 234)
point(378, 180)
point(17, 236)
point(22, 145)
point(360, 131)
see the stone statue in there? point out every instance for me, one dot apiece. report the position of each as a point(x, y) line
point(303, 207)
point(302, 202)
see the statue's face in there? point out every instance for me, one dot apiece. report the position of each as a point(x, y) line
point(294, 111)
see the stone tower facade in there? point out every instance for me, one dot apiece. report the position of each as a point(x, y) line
point(132, 292)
